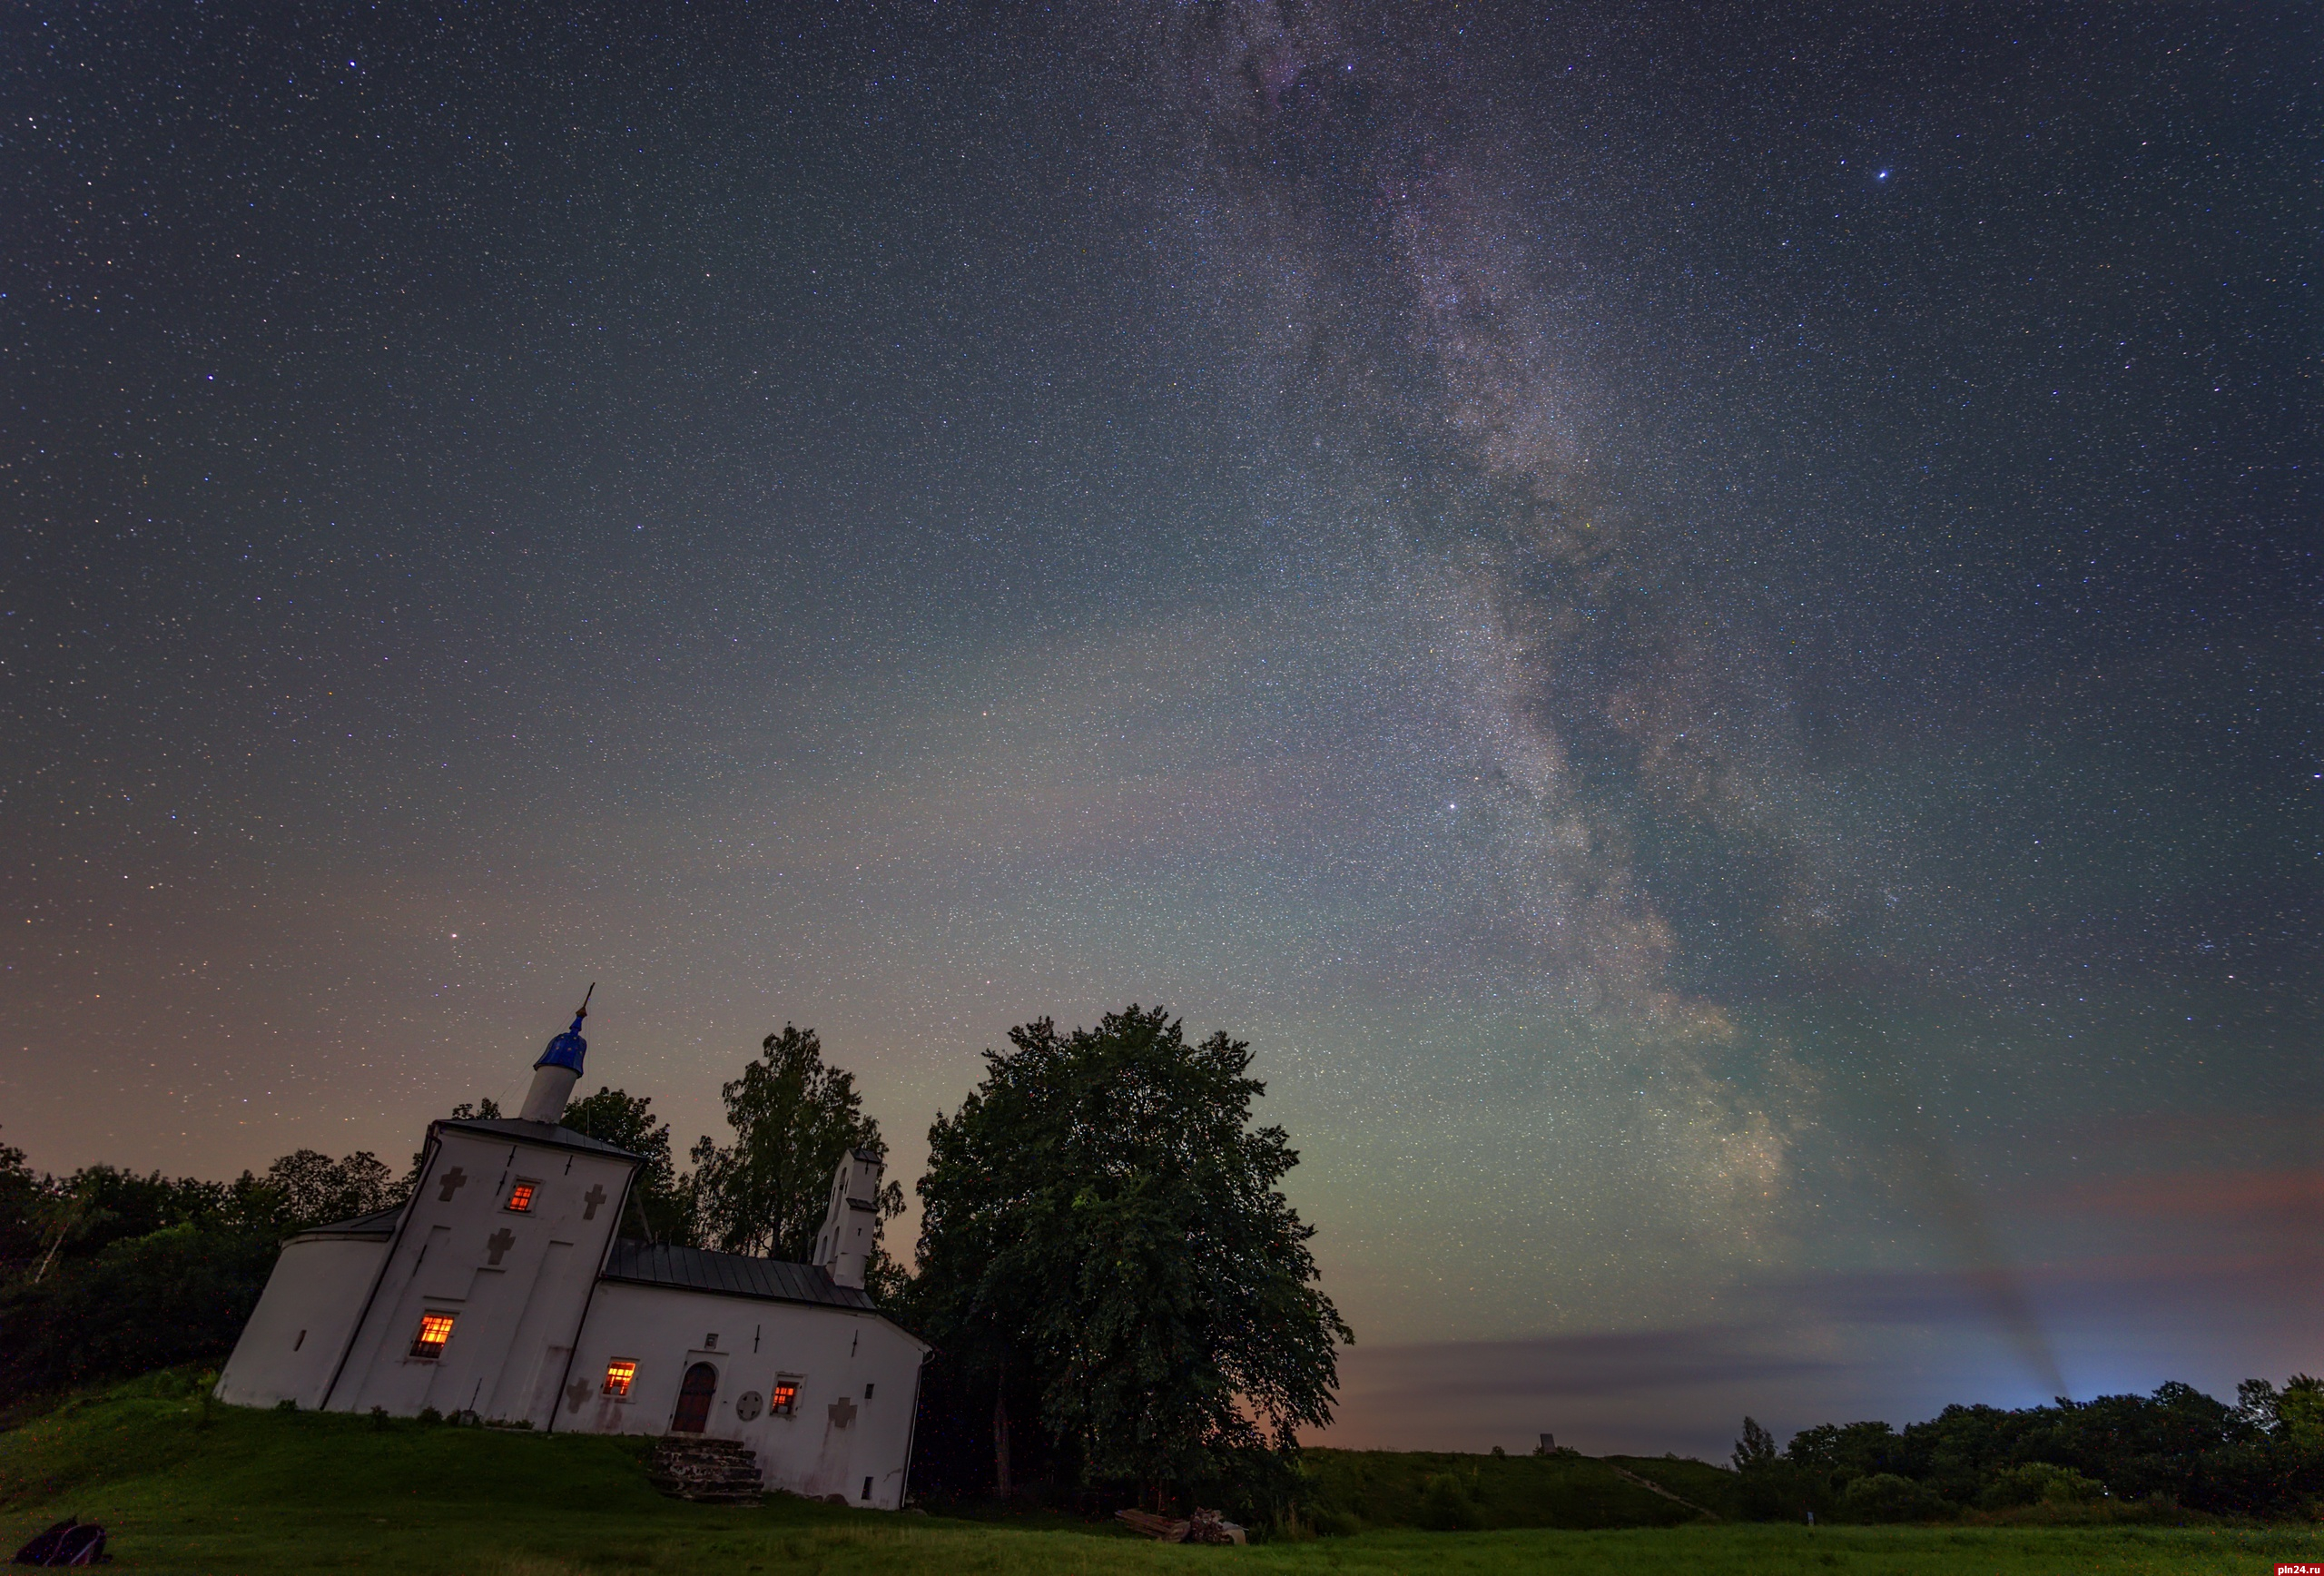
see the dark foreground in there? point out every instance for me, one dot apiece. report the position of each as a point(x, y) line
point(189, 1487)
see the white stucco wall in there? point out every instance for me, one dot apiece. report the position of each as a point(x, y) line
point(857, 1374)
point(515, 1284)
point(302, 1322)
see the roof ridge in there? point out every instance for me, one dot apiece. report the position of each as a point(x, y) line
point(741, 1274)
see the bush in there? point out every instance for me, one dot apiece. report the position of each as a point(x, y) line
point(1778, 1492)
point(1445, 1505)
point(1886, 1497)
point(2039, 1483)
point(170, 1297)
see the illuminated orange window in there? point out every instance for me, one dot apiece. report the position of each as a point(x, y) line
point(783, 1399)
point(435, 1329)
point(618, 1374)
point(520, 1197)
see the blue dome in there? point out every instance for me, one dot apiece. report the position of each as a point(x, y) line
point(566, 1050)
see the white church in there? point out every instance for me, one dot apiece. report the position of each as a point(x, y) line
point(502, 1289)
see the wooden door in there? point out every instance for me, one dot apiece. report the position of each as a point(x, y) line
point(693, 1398)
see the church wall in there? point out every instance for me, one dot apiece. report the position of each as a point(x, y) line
point(301, 1323)
point(513, 1282)
point(838, 1433)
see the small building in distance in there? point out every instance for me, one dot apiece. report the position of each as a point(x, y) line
point(503, 1288)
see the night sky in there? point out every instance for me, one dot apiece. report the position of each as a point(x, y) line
point(1702, 625)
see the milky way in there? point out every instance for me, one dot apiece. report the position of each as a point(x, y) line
point(1701, 627)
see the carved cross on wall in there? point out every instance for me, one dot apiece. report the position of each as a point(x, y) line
point(453, 1180)
point(842, 1413)
point(594, 1198)
point(575, 1393)
point(498, 1243)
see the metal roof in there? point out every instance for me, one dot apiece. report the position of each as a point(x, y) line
point(379, 1222)
point(732, 1275)
point(548, 1133)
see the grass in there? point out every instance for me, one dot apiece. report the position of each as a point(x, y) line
point(1384, 1488)
point(185, 1488)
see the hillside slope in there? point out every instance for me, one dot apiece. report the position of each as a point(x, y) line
point(1355, 1490)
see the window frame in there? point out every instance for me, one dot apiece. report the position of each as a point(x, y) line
point(528, 1189)
point(423, 1350)
point(622, 1371)
point(782, 1395)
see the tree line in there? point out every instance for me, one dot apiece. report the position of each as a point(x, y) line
point(1122, 1299)
point(2262, 1457)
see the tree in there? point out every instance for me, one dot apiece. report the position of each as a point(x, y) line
point(1103, 1230)
point(134, 1271)
point(1772, 1488)
point(662, 1202)
point(313, 1190)
point(792, 1118)
point(23, 1200)
point(1884, 1496)
point(1756, 1451)
point(2299, 1412)
point(178, 1295)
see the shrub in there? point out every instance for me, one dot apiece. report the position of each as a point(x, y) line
point(1445, 1505)
point(170, 1298)
point(2039, 1483)
point(1886, 1497)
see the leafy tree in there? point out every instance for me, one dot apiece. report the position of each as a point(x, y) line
point(1104, 1233)
point(2263, 1456)
point(178, 1295)
point(71, 1219)
point(1843, 1453)
point(792, 1118)
point(137, 1272)
point(2255, 1404)
point(2299, 1412)
point(1756, 1451)
point(2035, 1482)
point(612, 1116)
point(22, 1197)
point(313, 1190)
point(1772, 1487)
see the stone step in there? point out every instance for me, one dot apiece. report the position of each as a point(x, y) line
point(706, 1471)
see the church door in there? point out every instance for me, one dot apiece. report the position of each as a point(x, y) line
point(693, 1398)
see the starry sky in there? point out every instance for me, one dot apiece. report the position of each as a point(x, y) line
point(1700, 623)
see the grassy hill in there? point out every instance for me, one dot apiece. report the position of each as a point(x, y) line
point(189, 1488)
point(1356, 1490)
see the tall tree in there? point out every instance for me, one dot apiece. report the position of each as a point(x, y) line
point(793, 1117)
point(1102, 1217)
point(663, 1204)
point(23, 1198)
point(313, 1190)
